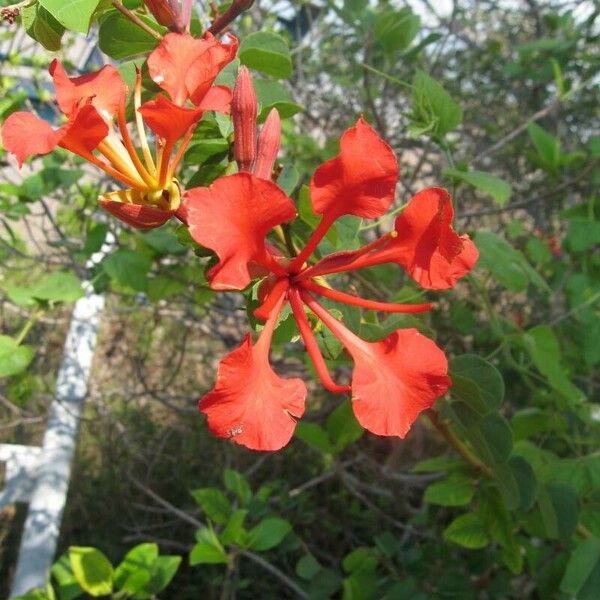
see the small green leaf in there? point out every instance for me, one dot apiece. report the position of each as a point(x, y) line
point(559, 510)
point(73, 14)
point(92, 569)
point(135, 570)
point(129, 268)
point(468, 531)
point(547, 146)
point(214, 503)
point(266, 52)
point(120, 38)
point(453, 491)
point(268, 534)
point(164, 570)
point(58, 287)
point(234, 532)
point(396, 29)
point(485, 376)
point(42, 26)
point(307, 567)
point(208, 550)
point(584, 560)
point(433, 109)
point(315, 436)
point(497, 188)
point(342, 427)
point(14, 358)
point(235, 482)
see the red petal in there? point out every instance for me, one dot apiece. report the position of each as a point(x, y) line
point(394, 380)
point(186, 67)
point(26, 135)
point(232, 217)
point(433, 254)
point(105, 87)
point(84, 131)
point(140, 217)
point(168, 120)
point(218, 98)
point(361, 180)
point(250, 403)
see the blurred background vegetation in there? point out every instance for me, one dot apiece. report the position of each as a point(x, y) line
point(497, 494)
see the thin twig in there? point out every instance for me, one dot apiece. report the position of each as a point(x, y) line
point(136, 20)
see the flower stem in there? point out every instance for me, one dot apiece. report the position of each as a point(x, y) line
point(136, 20)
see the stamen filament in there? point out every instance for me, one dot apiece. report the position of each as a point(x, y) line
point(139, 121)
point(164, 164)
point(364, 303)
point(313, 241)
point(278, 290)
point(150, 181)
point(109, 170)
point(180, 152)
point(312, 347)
point(266, 335)
point(320, 268)
point(105, 149)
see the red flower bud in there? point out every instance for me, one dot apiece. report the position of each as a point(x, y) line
point(162, 11)
point(268, 146)
point(244, 109)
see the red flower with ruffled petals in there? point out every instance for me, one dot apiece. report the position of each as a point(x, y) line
point(394, 379)
point(232, 217)
point(186, 67)
point(250, 403)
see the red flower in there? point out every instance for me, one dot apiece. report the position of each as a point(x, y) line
point(394, 379)
point(186, 68)
point(93, 101)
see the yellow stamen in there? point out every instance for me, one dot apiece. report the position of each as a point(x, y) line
point(137, 102)
point(126, 168)
point(180, 152)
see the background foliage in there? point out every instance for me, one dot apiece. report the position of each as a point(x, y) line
point(497, 494)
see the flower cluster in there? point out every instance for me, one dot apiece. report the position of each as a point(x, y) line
point(96, 127)
point(393, 379)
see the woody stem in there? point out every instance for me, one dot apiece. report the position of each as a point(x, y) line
point(136, 20)
point(364, 303)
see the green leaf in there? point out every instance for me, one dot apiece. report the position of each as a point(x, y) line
point(62, 573)
point(273, 94)
point(543, 347)
point(92, 569)
point(468, 531)
point(487, 379)
point(42, 26)
point(584, 560)
point(497, 188)
point(14, 358)
point(508, 266)
point(395, 30)
point(129, 268)
point(315, 436)
point(454, 491)
point(235, 482)
point(73, 14)
point(164, 570)
point(433, 109)
point(559, 510)
point(342, 427)
point(547, 146)
point(235, 532)
point(307, 567)
point(58, 287)
point(268, 534)
point(214, 503)
point(266, 52)
point(135, 570)
point(498, 435)
point(120, 38)
point(208, 550)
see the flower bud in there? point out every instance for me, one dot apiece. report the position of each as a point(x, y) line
point(268, 146)
point(162, 11)
point(244, 108)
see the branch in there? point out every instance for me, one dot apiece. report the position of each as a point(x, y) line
point(136, 20)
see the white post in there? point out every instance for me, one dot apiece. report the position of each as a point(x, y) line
point(42, 526)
